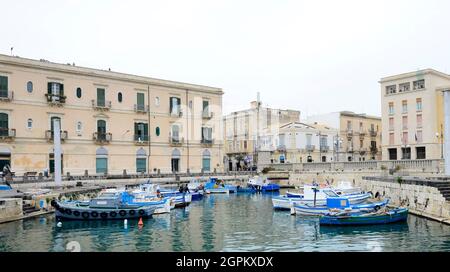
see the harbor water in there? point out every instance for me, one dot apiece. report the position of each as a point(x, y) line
point(235, 222)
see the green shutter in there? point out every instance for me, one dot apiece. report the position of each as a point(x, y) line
point(140, 100)
point(171, 104)
point(136, 133)
point(101, 166)
point(158, 131)
point(3, 83)
point(49, 88)
point(141, 165)
point(146, 132)
point(61, 89)
point(100, 97)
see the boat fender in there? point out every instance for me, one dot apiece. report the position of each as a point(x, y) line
point(59, 224)
point(103, 215)
point(122, 213)
point(377, 207)
point(132, 212)
point(141, 212)
point(68, 211)
point(94, 214)
point(76, 213)
point(85, 215)
point(114, 214)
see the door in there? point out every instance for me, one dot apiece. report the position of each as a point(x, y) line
point(175, 133)
point(175, 165)
point(206, 165)
point(101, 129)
point(101, 166)
point(52, 124)
point(101, 97)
point(51, 163)
point(4, 126)
point(140, 102)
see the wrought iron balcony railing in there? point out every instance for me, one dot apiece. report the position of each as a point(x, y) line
point(7, 134)
point(101, 104)
point(55, 99)
point(141, 139)
point(100, 137)
point(6, 95)
point(176, 141)
point(49, 135)
point(141, 108)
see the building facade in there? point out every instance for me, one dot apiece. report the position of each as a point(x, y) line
point(412, 115)
point(110, 121)
point(358, 137)
point(250, 131)
point(302, 143)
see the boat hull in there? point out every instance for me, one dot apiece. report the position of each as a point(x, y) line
point(73, 212)
point(393, 216)
point(217, 191)
point(197, 195)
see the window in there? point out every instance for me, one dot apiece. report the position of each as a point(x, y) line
point(79, 126)
point(405, 122)
point(308, 139)
point(3, 86)
point(141, 165)
point(119, 97)
point(52, 123)
point(30, 123)
point(419, 120)
point(349, 125)
point(245, 144)
point(190, 104)
point(157, 101)
point(79, 92)
point(206, 135)
point(405, 138)
point(140, 98)
point(419, 84)
point(175, 133)
point(404, 106)
point(206, 162)
point(205, 107)
point(361, 143)
point(391, 138)
point(140, 132)
point(55, 91)
point(391, 123)
point(101, 97)
point(323, 141)
point(157, 131)
point(392, 154)
point(419, 136)
point(391, 108)
point(420, 153)
point(361, 127)
point(391, 89)
point(419, 104)
point(101, 129)
point(4, 126)
point(175, 104)
point(404, 87)
point(406, 153)
point(29, 86)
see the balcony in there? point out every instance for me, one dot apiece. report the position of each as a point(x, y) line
point(373, 133)
point(6, 96)
point(362, 133)
point(373, 150)
point(141, 108)
point(207, 115)
point(176, 114)
point(102, 138)
point(362, 150)
point(281, 148)
point(55, 99)
point(7, 135)
point(349, 150)
point(349, 133)
point(101, 105)
point(49, 134)
point(206, 142)
point(310, 148)
point(176, 141)
point(141, 139)
point(324, 148)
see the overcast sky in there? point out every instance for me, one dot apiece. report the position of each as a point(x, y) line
point(314, 56)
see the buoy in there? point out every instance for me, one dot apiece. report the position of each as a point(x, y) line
point(140, 222)
point(59, 224)
point(292, 209)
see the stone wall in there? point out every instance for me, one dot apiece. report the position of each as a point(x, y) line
point(10, 209)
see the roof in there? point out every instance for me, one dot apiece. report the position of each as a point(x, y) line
point(69, 68)
point(414, 74)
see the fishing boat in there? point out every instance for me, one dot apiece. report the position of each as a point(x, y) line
point(215, 186)
point(383, 216)
point(337, 204)
point(283, 202)
point(165, 204)
point(107, 206)
point(262, 184)
point(317, 196)
point(181, 199)
point(196, 189)
point(241, 189)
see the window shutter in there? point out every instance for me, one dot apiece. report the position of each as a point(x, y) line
point(136, 127)
point(61, 89)
point(146, 131)
point(171, 104)
point(49, 88)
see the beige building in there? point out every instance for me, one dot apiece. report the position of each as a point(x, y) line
point(412, 115)
point(250, 131)
point(302, 143)
point(110, 121)
point(359, 136)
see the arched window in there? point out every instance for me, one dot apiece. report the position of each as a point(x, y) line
point(101, 162)
point(30, 123)
point(79, 92)
point(119, 97)
point(141, 161)
point(157, 101)
point(206, 162)
point(79, 126)
point(158, 131)
point(29, 86)
point(176, 154)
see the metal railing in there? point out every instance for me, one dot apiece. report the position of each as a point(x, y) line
point(7, 133)
point(100, 137)
point(207, 115)
point(101, 104)
point(55, 98)
point(207, 142)
point(176, 141)
point(141, 139)
point(49, 134)
point(6, 95)
point(141, 108)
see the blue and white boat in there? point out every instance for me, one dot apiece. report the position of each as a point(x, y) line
point(181, 199)
point(262, 184)
point(336, 205)
point(315, 196)
point(163, 204)
point(107, 206)
point(196, 189)
point(215, 186)
point(384, 216)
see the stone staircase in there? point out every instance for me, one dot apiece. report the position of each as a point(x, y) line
point(444, 189)
point(28, 208)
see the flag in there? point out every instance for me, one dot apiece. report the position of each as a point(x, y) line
point(415, 135)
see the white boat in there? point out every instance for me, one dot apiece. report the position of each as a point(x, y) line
point(337, 205)
point(346, 188)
